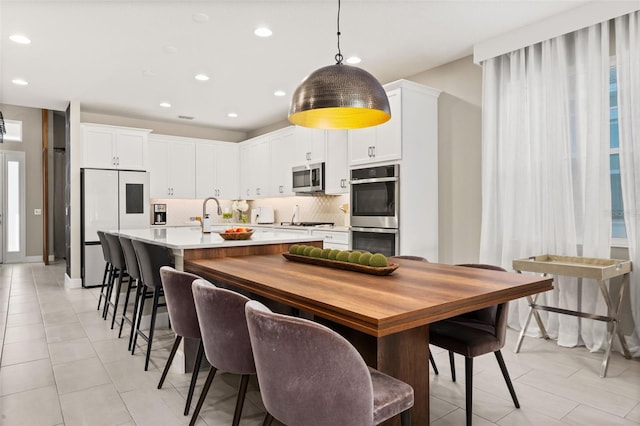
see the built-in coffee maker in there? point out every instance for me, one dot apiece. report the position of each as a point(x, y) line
point(159, 214)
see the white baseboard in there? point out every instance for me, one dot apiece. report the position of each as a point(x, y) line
point(72, 282)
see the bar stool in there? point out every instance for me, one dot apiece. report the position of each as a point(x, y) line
point(184, 320)
point(134, 276)
point(151, 257)
point(119, 272)
point(106, 277)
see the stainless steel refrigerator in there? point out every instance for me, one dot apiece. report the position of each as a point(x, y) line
point(111, 200)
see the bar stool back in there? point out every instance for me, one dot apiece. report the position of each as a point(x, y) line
point(134, 276)
point(120, 269)
point(151, 257)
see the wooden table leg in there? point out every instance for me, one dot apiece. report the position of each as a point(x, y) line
point(403, 355)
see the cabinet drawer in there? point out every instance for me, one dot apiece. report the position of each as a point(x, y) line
point(333, 237)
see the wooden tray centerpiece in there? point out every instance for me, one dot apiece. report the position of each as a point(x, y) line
point(349, 266)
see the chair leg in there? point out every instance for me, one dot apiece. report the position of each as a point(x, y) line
point(452, 363)
point(433, 363)
point(203, 395)
point(107, 297)
point(194, 377)
point(174, 349)
point(152, 326)
point(405, 418)
point(242, 392)
point(136, 302)
point(505, 374)
point(107, 273)
point(126, 302)
point(468, 377)
point(268, 419)
point(115, 304)
point(143, 296)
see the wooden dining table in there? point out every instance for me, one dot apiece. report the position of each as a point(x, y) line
point(385, 317)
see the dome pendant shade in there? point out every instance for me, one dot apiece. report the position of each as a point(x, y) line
point(339, 97)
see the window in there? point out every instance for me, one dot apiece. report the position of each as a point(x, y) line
point(618, 231)
point(14, 130)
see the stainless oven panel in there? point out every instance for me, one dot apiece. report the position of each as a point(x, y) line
point(375, 195)
point(375, 240)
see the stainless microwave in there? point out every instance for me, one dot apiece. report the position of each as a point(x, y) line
point(308, 178)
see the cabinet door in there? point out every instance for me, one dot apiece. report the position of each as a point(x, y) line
point(157, 167)
point(205, 170)
point(282, 160)
point(310, 145)
point(336, 168)
point(388, 140)
point(246, 170)
point(99, 146)
point(361, 144)
point(227, 170)
point(130, 147)
point(261, 164)
point(181, 168)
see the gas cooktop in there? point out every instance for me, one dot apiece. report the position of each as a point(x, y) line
point(305, 223)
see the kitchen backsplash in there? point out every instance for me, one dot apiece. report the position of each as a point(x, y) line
point(317, 208)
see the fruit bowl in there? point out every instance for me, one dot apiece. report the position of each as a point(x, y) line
point(236, 234)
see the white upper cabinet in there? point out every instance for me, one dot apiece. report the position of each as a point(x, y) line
point(310, 145)
point(336, 168)
point(171, 167)
point(283, 144)
point(255, 160)
point(379, 143)
point(217, 170)
point(113, 147)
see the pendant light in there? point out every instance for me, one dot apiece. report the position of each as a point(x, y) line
point(339, 97)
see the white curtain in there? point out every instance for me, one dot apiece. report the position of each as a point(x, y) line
point(546, 185)
point(627, 33)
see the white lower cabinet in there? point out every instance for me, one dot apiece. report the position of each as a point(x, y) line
point(332, 239)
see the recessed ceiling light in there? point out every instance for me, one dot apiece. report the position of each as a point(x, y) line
point(263, 32)
point(202, 77)
point(353, 60)
point(232, 115)
point(200, 17)
point(19, 38)
point(165, 104)
point(279, 93)
point(19, 82)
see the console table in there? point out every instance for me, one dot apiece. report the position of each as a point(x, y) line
point(600, 270)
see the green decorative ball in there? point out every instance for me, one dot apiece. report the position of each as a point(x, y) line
point(364, 259)
point(378, 260)
point(333, 253)
point(316, 252)
point(325, 253)
point(354, 256)
point(307, 250)
point(343, 256)
point(294, 249)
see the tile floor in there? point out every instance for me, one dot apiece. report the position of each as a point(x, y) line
point(60, 364)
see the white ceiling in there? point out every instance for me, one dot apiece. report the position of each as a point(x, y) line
point(125, 57)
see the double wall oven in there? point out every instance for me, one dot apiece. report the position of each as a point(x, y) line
point(375, 193)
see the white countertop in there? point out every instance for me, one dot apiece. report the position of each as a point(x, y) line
point(193, 238)
point(260, 225)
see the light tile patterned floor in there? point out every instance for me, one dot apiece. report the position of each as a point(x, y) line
point(61, 364)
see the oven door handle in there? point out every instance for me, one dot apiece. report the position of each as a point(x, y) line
point(374, 180)
point(376, 230)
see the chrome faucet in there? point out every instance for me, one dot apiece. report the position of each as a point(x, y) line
point(204, 206)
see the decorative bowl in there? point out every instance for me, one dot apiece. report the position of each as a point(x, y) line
point(236, 235)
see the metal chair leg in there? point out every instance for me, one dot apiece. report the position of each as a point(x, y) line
point(203, 395)
point(143, 296)
point(174, 349)
point(507, 379)
point(194, 377)
point(405, 418)
point(433, 363)
point(136, 303)
point(152, 326)
point(452, 362)
point(115, 303)
point(105, 276)
point(468, 377)
point(242, 392)
point(126, 303)
point(268, 419)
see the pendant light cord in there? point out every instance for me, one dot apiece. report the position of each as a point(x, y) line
point(339, 54)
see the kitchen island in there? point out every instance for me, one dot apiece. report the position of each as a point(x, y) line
point(188, 243)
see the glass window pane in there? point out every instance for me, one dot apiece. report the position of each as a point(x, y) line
point(617, 207)
point(13, 206)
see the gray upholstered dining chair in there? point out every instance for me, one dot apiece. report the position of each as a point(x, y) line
point(108, 268)
point(473, 334)
point(309, 375)
point(178, 296)
point(225, 337)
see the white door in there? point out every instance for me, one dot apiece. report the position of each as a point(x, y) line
point(12, 211)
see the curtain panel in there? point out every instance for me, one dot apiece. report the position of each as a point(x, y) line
point(546, 176)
